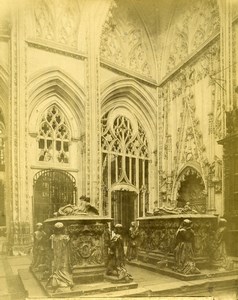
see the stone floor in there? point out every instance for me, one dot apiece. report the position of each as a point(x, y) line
point(149, 284)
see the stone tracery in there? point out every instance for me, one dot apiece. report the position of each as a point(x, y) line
point(125, 42)
point(54, 137)
point(58, 23)
point(192, 27)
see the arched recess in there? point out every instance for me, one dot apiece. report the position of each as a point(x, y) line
point(128, 143)
point(190, 187)
point(130, 94)
point(52, 190)
point(51, 84)
point(47, 90)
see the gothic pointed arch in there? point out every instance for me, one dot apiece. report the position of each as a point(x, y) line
point(127, 143)
point(55, 87)
point(189, 187)
point(130, 94)
point(54, 136)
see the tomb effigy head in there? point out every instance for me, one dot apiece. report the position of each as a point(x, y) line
point(83, 207)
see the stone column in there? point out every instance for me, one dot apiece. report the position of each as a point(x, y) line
point(20, 229)
point(210, 186)
point(96, 16)
point(226, 52)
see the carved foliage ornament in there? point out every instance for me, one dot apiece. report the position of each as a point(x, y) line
point(57, 21)
point(124, 41)
point(195, 24)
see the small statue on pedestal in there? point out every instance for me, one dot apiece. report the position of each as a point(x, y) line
point(184, 250)
point(220, 258)
point(39, 262)
point(132, 248)
point(60, 278)
point(116, 258)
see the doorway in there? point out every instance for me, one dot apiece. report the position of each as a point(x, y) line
point(52, 190)
point(124, 208)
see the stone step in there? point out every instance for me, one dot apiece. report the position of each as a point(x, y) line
point(31, 286)
point(169, 272)
point(36, 288)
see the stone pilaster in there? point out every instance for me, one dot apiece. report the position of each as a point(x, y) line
point(20, 228)
point(96, 16)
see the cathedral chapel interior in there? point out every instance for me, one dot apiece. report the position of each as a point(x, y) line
point(130, 103)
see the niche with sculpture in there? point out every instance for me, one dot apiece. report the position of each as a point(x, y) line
point(191, 189)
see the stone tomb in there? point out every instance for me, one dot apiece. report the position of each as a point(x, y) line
point(157, 244)
point(86, 246)
point(87, 256)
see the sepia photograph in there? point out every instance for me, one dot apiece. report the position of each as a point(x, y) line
point(119, 149)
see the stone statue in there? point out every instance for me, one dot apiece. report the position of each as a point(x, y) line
point(60, 278)
point(39, 249)
point(132, 247)
point(184, 249)
point(220, 258)
point(83, 207)
point(116, 258)
point(216, 169)
point(187, 209)
point(107, 238)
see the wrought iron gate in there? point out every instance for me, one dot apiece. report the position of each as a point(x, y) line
point(52, 189)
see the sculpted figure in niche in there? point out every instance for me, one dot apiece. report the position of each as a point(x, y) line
point(83, 207)
point(39, 249)
point(60, 278)
point(116, 257)
point(184, 249)
point(132, 247)
point(216, 169)
point(221, 260)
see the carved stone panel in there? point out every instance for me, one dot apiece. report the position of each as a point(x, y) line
point(157, 235)
point(57, 21)
point(124, 41)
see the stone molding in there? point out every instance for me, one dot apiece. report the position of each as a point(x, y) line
point(142, 102)
point(55, 48)
point(127, 72)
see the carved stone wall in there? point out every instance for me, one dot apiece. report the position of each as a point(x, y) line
point(184, 114)
point(57, 21)
point(125, 42)
point(190, 97)
point(157, 236)
point(235, 59)
point(193, 23)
